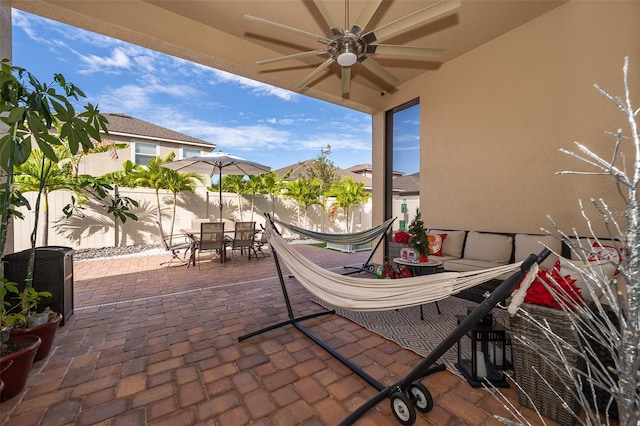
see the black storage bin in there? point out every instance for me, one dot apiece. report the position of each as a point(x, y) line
point(53, 272)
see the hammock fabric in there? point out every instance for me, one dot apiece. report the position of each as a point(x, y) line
point(355, 238)
point(369, 294)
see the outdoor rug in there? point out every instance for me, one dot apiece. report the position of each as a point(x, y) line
point(404, 326)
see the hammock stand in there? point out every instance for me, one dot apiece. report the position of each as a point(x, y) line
point(355, 238)
point(408, 394)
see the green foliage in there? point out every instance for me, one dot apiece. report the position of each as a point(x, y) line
point(15, 314)
point(305, 192)
point(7, 317)
point(237, 185)
point(157, 177)
point(349, 194)
point(31, 108)
point(44, 114)
point(323, 171)
point(418, 239)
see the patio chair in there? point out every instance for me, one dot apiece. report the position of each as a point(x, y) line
point(212, 238)
point(261, 242)
point(175, 244)
point(244, 238)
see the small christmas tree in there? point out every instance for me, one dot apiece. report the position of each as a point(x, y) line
point(418, 239)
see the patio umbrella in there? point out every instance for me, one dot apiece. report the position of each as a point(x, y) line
point(218, 163)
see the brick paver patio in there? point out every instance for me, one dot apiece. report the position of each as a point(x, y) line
point(151, 344)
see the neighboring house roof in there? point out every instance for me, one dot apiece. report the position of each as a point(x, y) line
point(299, 170)
point(408, 184)
point(367, 170)
point(125, 125)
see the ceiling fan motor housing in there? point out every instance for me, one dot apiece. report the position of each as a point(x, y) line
point(347, 49)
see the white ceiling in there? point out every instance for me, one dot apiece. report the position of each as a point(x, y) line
point(215, 33)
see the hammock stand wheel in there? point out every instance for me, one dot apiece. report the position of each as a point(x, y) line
point(406, 396)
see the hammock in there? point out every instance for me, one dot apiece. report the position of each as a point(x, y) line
point(374, 294)
point(371, 294)
point(355, 238)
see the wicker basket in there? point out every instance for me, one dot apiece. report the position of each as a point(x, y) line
point(543, 395)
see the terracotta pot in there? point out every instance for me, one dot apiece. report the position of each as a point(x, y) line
point(15, 364)
point(46, 332)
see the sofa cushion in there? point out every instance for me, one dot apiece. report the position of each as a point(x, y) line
point(532, 244)
point(488, 247)
point(442, 258)
point(466, 265)
point(452, 245)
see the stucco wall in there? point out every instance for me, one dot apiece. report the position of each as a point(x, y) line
point(493, 120)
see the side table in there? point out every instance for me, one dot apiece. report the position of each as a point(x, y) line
point(419, 269)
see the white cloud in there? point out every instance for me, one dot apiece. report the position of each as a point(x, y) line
point(256, 87)
point(94, 63)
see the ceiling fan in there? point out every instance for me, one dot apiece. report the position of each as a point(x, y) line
point(350, 46)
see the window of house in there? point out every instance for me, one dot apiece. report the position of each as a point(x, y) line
point(190, 152)
point(402, 158)
point(144, 152)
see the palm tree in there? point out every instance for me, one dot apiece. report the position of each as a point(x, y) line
point(152, 176)
point(272, 185)
point(42, 175)
point(252, 187)
point(305, 192)
point(349, 193)
point(235, 184)
point(178, 182)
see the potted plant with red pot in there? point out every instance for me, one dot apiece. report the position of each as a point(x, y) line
point(17, 354)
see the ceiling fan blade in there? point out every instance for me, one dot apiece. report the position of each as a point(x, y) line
point(307, 34)
point(314, 73)
point(390, 49)
point(365, 16)
point(294, 56)
point(346, 80)
point(377, 69)
point(328, 17)
point(419, 17)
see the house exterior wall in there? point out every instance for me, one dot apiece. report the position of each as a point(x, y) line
point(101, 163)
point(493, 121)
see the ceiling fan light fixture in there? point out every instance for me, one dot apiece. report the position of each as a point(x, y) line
point(346, 59)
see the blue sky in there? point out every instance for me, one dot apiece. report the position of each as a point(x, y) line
point(241, 116)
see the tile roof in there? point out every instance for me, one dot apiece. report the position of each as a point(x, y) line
point(299, 171)
point(408, 183)
point(123, 124)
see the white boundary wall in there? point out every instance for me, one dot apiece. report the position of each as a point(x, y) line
point(95, 228)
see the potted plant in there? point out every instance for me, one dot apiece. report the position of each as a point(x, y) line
point(16, 354)
point(418, 239)
point(42, 115)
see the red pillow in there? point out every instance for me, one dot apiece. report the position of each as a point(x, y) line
point(435, 243)
point(538, 294)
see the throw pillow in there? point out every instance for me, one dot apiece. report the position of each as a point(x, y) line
point(563, 286)
point(435, 243)
point(605, 252)
point(579, 270)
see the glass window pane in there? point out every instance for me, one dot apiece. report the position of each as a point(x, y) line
point(190, 152)
point(145, 148)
